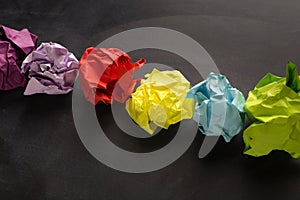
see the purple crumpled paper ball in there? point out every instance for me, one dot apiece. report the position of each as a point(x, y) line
point(14, 47)
point(51, 69)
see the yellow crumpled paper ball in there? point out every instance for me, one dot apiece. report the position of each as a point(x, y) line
point(160, 100)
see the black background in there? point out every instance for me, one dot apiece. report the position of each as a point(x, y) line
point(41, 155)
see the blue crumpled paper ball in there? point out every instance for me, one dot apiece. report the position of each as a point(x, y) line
point(219, 108)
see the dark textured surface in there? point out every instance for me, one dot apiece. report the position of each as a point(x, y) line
point(41, 155)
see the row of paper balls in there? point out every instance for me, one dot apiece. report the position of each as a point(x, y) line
point(161, 99)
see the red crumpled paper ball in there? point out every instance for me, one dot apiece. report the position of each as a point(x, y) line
point(106, 75)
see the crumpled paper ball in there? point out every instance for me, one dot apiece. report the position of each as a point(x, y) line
point(14, 47)
point(160, 100)
point(106, 75)
point(274, 108)
point(51, 69)
point(219, 109)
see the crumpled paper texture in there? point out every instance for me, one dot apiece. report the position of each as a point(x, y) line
point(219, 108)
point(51, 69)
point(106, 75)
point(160, 100)
point(274, 107)
point(14, 47)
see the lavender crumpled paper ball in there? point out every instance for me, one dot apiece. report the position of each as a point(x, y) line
point(51, 69)
point(14, 47)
